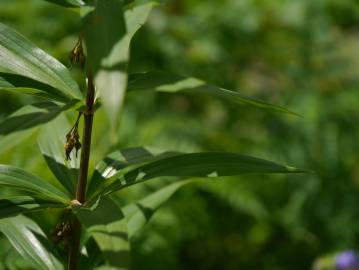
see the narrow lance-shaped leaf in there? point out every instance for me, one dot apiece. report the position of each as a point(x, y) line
point(51, 141)
point(207, 164)
point(30, 116)
point(30, 241)
point(68, 3)
point(13, 206)
point(139, 213)
point(120, 160)
point(19, 56)
point(17, 178)
point(171, 83)
point(108, 32)
point(22, 85)
point(105, 222)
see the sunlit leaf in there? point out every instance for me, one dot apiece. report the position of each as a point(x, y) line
point(30, 241)
point(162, 81)
point(51, 141)
point(17, 178)
point(19, 56)
point(206, 164)
point(105, 222)
point(68, 3)
point(13, 206)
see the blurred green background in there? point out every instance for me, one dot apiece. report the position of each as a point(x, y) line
point(302, 54)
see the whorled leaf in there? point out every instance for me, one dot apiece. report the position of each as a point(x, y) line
point(19, 56)
point(162, 81)
point(30, 241)
point(105, 222)
point(19, 179)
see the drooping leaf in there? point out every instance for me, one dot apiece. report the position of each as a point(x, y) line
point(19, 56)
point(119, 160)
point(171, 83)
point(13, 206)
point(51, 141)
point(206, 164)
point(108, 32)
point(139, 213)
point(105, 222)
point(17, 178)
point(30, 241)
point(68, 3)
point(30, 116)
point(20, 84)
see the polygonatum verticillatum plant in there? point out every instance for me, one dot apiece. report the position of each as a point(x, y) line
point(95, 231)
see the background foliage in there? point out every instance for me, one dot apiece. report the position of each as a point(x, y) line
point(302, 54)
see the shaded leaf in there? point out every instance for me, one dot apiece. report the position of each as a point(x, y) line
point(105, 222)
point(13, 139)
point(139, 213)
point(51, 141)
point(20, 84)
point(171, 83)
point(14, 206)
point(206, 164)
point(30, 116)
point(108, 48)
point(30, 241)
point(19, 56)
point(17, 178)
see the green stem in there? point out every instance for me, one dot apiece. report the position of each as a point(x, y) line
point(74, 250)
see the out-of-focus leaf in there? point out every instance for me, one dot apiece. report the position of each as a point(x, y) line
point(13, 139)
point(120, 160)
point(105, 222)
point(17, 178)
point(207, 165)
point(51, 141)
point(139, 213)
point(171, 83)
point(68, 3)
point(30, 241)
point(30, 116)
point(20, 84)
point(108, 33)
point(19, 56)
point(14, 206)
point(91, 255)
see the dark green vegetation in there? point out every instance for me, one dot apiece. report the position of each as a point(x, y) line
point(301, 54)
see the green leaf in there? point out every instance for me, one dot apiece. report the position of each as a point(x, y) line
point(30, 116)
point(206, 164)
point(19, 179)
point(108, 44)
point(51, 141)
point(20, 84)
point(139, 213)
point(13, 139)
point(105, 222)
point(68, 3)
point(30, 241)
point(171, 83)
point(14, 206)
point(119, 160)
point(19, 56)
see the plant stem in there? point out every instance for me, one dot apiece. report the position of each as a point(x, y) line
point(74, 250)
